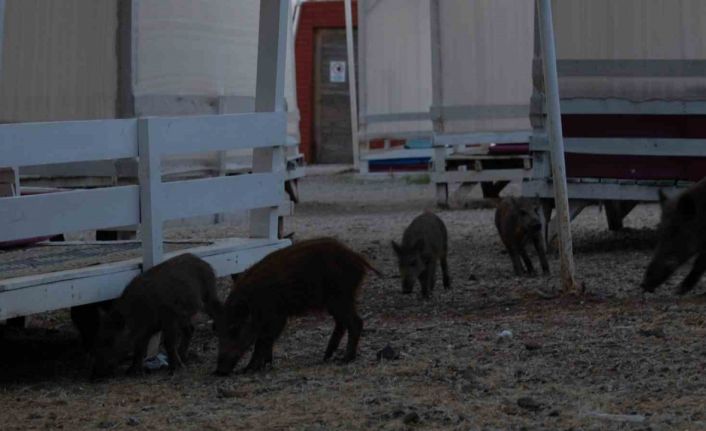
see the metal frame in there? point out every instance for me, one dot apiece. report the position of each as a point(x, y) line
point(151, 202)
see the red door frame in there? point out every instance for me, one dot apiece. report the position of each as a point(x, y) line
point(313, 16)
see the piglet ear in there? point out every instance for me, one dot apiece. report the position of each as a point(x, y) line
point(686, 206)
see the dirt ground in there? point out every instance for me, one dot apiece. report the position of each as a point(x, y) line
point(610, 359)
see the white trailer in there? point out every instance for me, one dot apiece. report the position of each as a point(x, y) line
point(631, 79)
point(452, 76)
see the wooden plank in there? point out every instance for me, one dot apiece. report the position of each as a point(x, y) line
point(232, 259)
point(68, 275)
point(67, 293)
point(151, 198)
point(555, 134)
point(450, 140)
point(271, 56)
point(183, 135)
point(470, 156)
point(182, 199)
point(38, 293)
point(269, 97)
point(263, 221)
point(24, 144)
point(480, 176)
point(630, 146)
point(32, 216)
point(399, 154)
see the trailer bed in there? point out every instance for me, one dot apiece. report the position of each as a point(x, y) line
point(50, 276)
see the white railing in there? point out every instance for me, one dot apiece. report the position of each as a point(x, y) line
point(151, 202)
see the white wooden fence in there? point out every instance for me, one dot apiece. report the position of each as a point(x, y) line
point(151, 202)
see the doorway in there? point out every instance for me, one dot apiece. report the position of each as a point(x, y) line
point(332, 115)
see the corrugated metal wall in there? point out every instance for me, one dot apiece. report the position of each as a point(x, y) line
point(201, 58)
point(486, 71)
point(632, 30)
point(485, 62)
point(191, 57)
point(397, 64)
point(187, 48)
point(59, 60)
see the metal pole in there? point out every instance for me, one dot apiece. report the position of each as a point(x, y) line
point(15, 170)
point(352, 84)
point(556, 143)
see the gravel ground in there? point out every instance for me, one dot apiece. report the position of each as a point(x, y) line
point(610, 359)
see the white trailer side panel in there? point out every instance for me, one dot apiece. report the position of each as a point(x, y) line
point(397, 65)
point(645, 38)
point(486, 51)
point(59, 60)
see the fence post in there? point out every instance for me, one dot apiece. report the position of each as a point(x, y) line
point(269, 97)
point(439, 160)
point(363, 143)
point(556, 143)
point(150, 177)
point(352, 88)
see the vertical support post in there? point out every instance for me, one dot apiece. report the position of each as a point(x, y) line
point(2, 30)
point(150, 177)
point(15, 186)
point(363, 143)
point(442, 188)
point(269, 97)
point(16, 174)
point(437, 94)
point(352, 88)
point(556, 141)
point(221, 159)
point(125, 100)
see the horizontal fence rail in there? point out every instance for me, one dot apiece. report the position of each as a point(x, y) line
point(221, 194)
point(182, 135)
point(511, 137)
point(55, 213)
point(147, 139)
point(26, 144)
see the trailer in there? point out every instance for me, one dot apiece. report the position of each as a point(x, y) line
point(154, 199)
point(394, 81)
point(631, 77)
point(449, 96)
